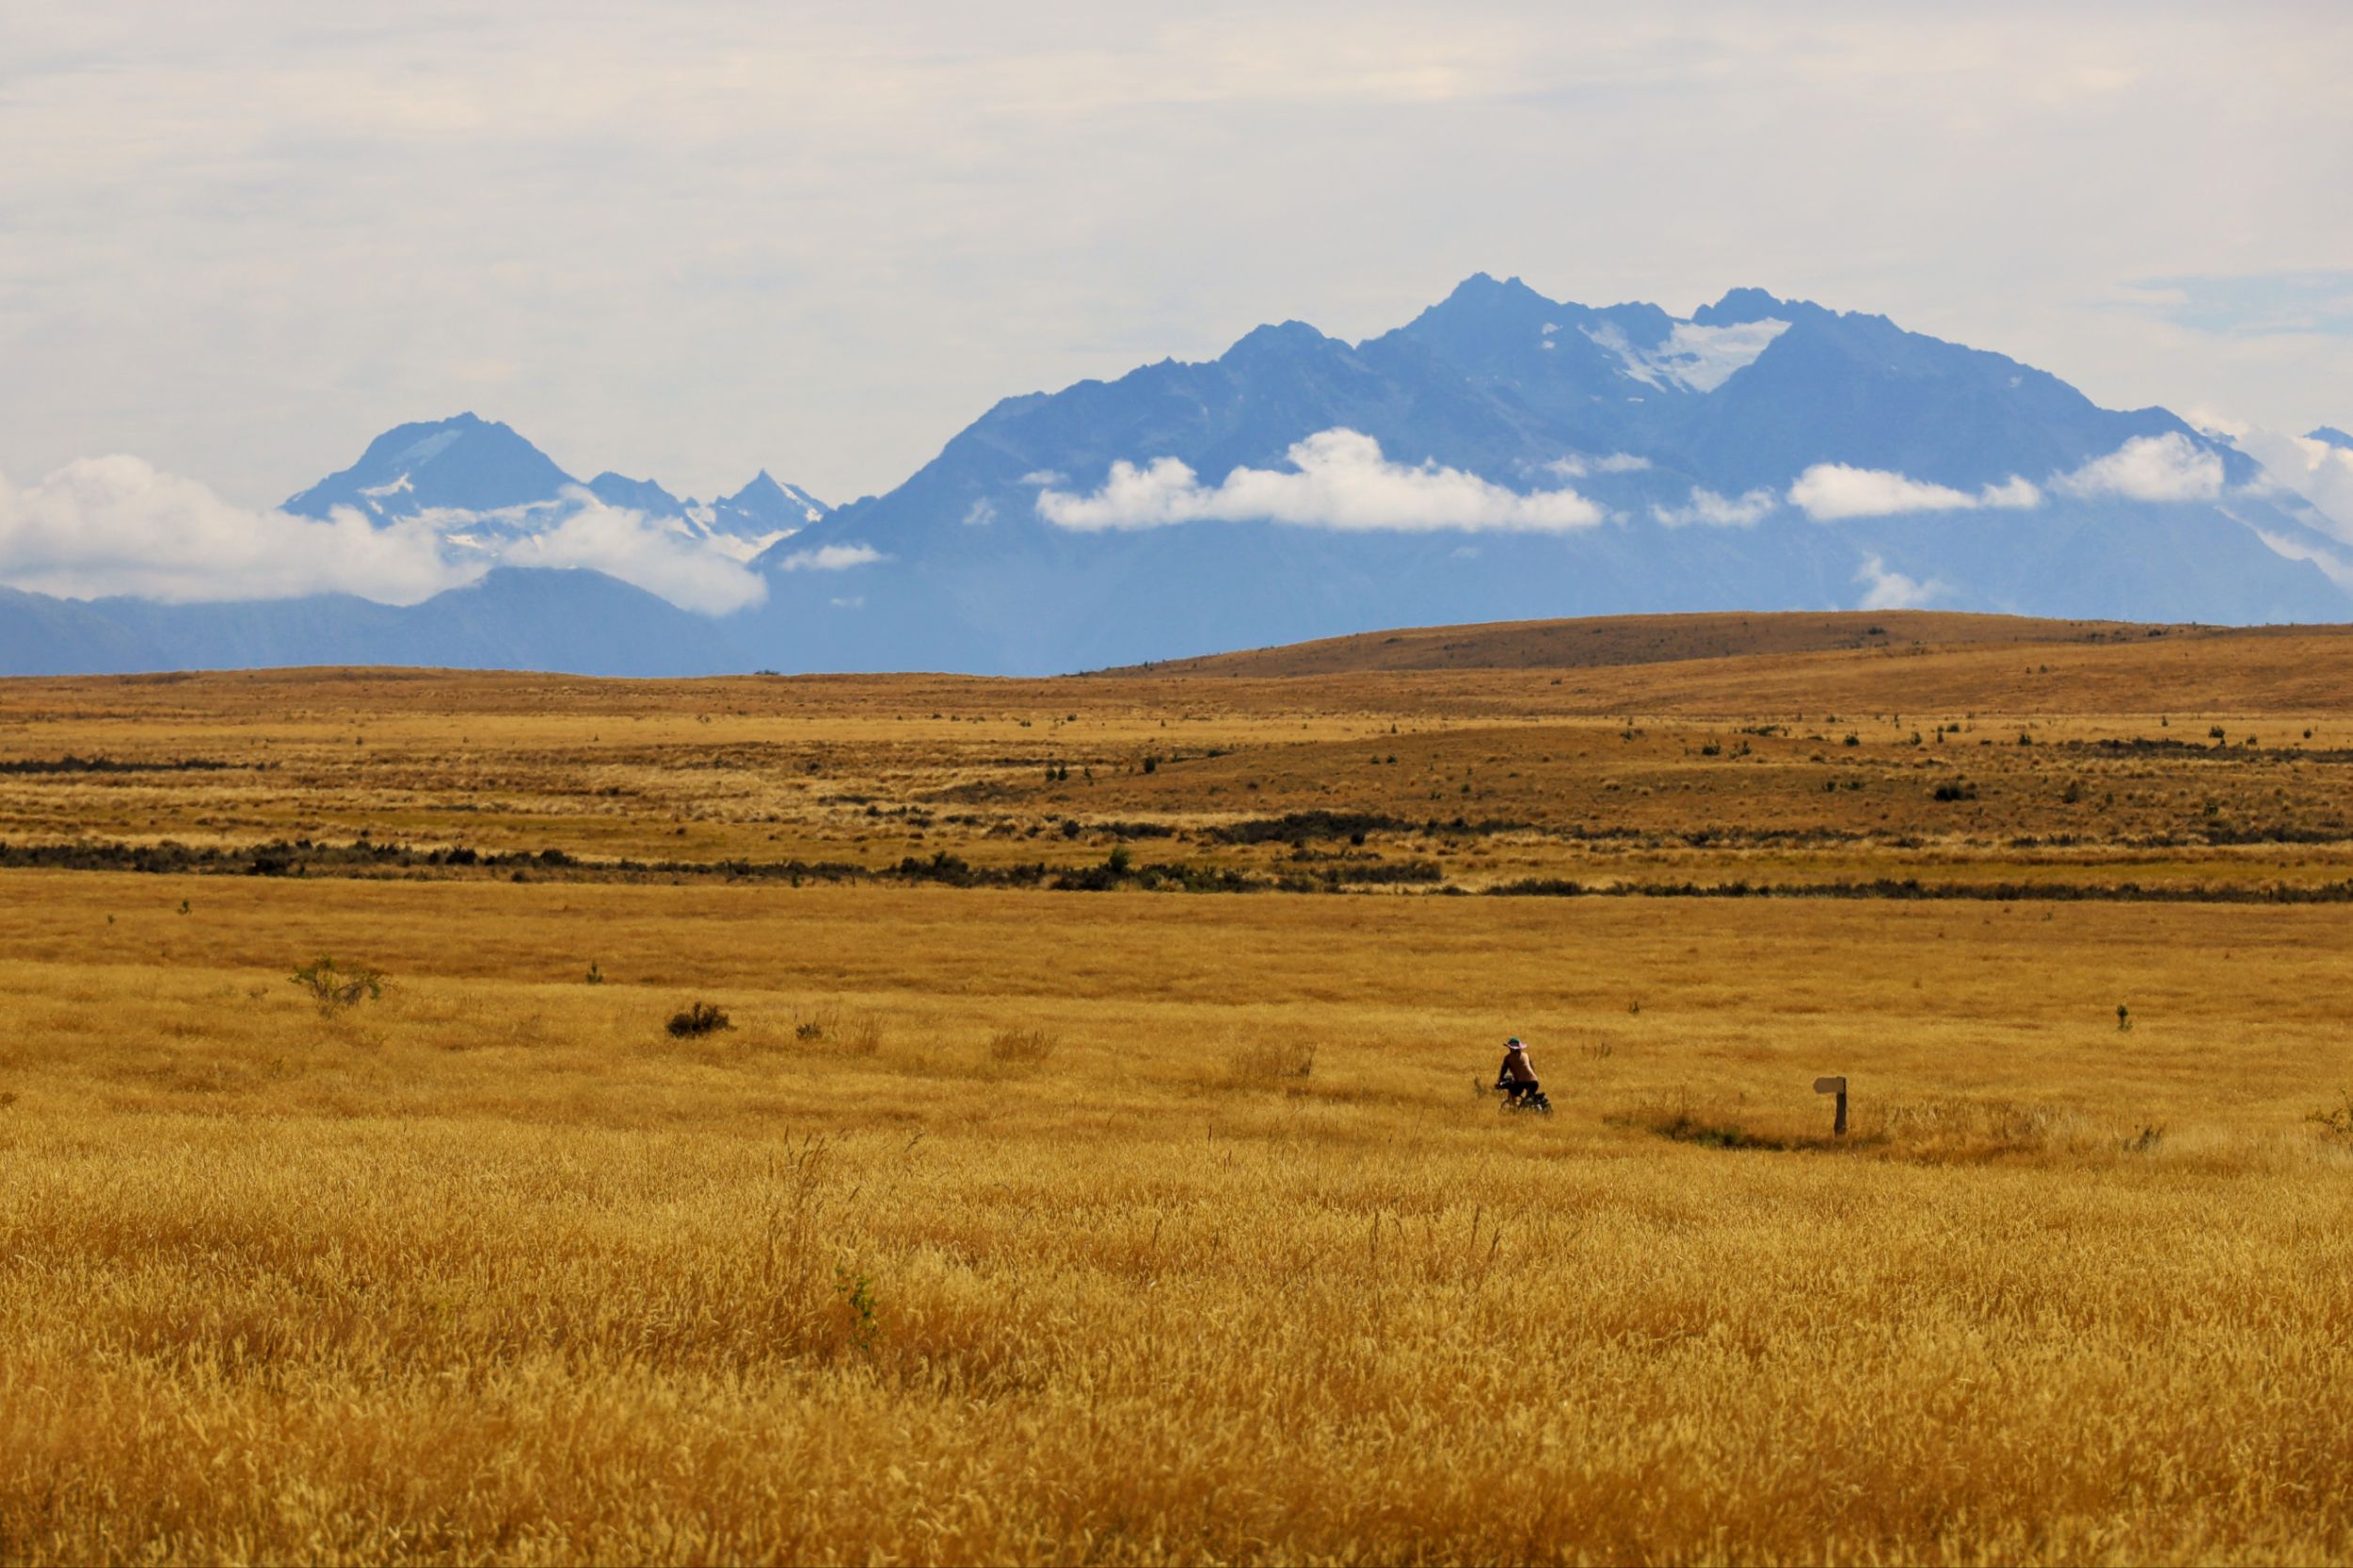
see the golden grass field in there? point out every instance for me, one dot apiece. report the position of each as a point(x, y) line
point(1020, 1222)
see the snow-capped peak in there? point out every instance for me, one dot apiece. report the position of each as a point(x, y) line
point(1694, 358)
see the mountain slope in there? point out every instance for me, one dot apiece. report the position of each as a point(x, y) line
point(577, 622)
point(466, 463)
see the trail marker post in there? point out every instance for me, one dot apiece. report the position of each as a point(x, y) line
point(1834, 1086)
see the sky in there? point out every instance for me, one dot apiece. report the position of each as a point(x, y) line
point(688, 241)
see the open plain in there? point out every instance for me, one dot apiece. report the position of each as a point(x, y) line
point(1096, 1164)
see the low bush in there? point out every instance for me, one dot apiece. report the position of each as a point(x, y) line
point(2336, 1122)
point(698, 1021)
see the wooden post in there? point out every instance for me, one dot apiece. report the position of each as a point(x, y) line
point(1834, 1086)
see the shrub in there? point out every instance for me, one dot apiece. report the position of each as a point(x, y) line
point(2336, 1122)
point(698, 1021)
point(334, 989)
point(1026, 1047)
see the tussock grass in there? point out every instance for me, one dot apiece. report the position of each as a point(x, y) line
point(1271, 1060)
point(1023, 1047)
point(492, 1269)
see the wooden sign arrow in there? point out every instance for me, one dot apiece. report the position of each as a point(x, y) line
point(1834, 1086)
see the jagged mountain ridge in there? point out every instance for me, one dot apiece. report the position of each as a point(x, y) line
point(495, 485)
point(1664, 459)
point(1646, 414)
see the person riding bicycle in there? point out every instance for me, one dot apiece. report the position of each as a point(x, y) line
point(1517, 1076)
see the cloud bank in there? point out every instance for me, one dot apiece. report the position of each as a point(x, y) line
point(621, 543)
point(1338, 480)
point(2318, 471)
point(1831, 492)
point(117, 525)
point(2170, 467)
point(2166, 468)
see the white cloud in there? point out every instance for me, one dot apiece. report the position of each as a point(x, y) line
point(2320, 473)
point(832, 557)
point(1830, 493)
point(1340, 480)
point(2339, 568)
point(100, 526)
point(103, 527)
point(1712, 510)
point(981, 513)
point(1892, 590)
point(621, 543)
point(2170, 467)
point(1575, 466)
point(1041, 476)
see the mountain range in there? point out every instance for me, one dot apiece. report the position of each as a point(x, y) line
point(1501, 457)
point(489, 485)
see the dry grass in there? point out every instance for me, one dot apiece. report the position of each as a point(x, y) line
point(1132, 1226)
point(494, 1269)
point(1023, 1047)
point(1708, 769)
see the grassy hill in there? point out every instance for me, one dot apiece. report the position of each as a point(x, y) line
point(1602, 641)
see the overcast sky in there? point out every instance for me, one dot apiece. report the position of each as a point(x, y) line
point(689, 240)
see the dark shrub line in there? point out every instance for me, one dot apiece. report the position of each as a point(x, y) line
point(364, 857)
point(1911, 888)
point(70, 765)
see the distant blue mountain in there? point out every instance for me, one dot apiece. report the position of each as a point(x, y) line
point(582, 622)
point(1635, 408)
point(495, 485)
point(463, 463)
point(766, 506)
point(636, 495)
point(1532, 457)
